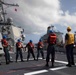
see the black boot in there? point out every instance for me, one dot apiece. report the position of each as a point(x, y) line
point(16, 60)
point(72, 63)
point(27, 59)
point(37, 58)
point(52, 64)
point(69, 65)
point(22, 60)
point(43, 58)
point(7, 63)
point(34, 59)
point(47, 65)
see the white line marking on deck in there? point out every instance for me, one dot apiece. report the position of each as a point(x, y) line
point(43, 71)
point(36, 72)
point(64, 62)
point(58, 68)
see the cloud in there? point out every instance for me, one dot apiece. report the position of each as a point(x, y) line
point(67, 19)
point(36, 15)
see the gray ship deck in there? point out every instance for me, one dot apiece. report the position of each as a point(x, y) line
point(37, 67)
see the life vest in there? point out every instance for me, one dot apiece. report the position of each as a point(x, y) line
point(5, 42)
point(71, 38)
point(40, 44)
point(52, 38)
point(19, 44)
point(31, 45)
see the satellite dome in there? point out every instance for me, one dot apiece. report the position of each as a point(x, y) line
point(10, 20)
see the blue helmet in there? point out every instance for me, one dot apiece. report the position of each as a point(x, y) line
point(4, 37)
point(40, 40)
point(30, 41)
point(51, 31)
point(19, 40)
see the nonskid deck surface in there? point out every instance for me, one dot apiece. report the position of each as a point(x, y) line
point(37, 67)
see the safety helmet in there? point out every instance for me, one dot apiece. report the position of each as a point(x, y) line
point(40, 40)
point(69, 28)
point(51, 31)
point(4, 37)
point(30, 41)
point(19, 40)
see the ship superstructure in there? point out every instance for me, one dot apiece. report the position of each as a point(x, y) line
point(7, 28)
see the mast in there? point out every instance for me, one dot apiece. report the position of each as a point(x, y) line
point(52, 27)
point(2, 12)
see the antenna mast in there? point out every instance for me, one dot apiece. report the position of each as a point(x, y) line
point(2, 12)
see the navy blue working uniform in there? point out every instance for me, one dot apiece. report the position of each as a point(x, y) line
point(30, 47)
point(5, 48)
point(19, 50)
point(40, 49)
point(69, 42)
point(51, 48)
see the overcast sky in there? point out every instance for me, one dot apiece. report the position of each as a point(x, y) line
point(36, 15)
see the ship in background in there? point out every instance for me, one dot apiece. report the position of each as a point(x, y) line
point(60, 42)
point(58, 34)
point(7, 28)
